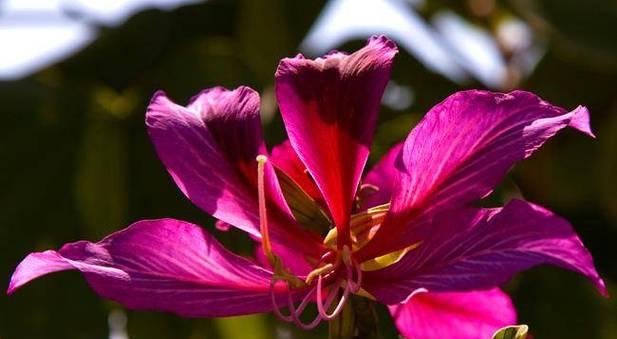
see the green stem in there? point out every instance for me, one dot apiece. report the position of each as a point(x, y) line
point(358, 319)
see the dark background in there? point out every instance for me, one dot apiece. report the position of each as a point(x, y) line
point(76, 162)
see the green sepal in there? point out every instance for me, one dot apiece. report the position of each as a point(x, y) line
point(305, 209)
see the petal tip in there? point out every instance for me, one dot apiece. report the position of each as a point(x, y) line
point(580, 120)
point(205, 92)
point(384, 41)
point(15, 284)
point(287, 65)
point(12, 288)
point(158, 94)
point(153, 112)
point(601, 286)
point(217, 91)
point(382, 48)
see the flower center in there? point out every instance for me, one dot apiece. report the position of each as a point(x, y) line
point(336, 273)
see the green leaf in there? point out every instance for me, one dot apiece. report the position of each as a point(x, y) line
point(512, 332)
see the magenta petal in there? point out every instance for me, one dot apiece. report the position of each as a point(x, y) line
point(329, 106)
point(462, 148)
point(467, 315)
point(232, 118)
point(197, 162)
point(472, 249)
point(209, 148)
point(381, 178)
point(163, 265)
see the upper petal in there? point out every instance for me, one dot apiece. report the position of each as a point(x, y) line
point(465, 315)
point(472, 249)
point(329, 106)
point(209, 148)
point(460, 151)
point(162, 265)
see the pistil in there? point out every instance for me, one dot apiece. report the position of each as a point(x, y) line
point(263, 216)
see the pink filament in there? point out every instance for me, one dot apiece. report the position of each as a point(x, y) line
point(351, 286)
point(355, 286)
point(277, 310)
point(295, 313)
point(339, 307)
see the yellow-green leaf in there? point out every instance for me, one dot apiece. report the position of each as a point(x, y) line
point(512, 332)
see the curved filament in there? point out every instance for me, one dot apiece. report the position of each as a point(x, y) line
point(296, 312)
point(276, 308)
point(321, 308)
point(355, 286)
point(351, 285)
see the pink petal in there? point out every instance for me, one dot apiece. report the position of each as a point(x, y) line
point(382, 179)
point(471, 249)
point(460, 151)
point(293, 263)
point(329, 106)
point(466, 315)
point(163, 265)
point(210, 168)
point(209, 148)
point(285, 158)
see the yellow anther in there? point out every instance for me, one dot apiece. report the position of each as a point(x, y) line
point(360, 226)
point(317, 272)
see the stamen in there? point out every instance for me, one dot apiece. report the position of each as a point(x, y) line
point(323, 270)
point(263, 216)
point(295, 313)
point(305, 301)
point(357, 285)
point(276, 308)
point(323, 304)
point(339, 307)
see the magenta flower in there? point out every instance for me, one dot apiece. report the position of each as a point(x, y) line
point(408, 228)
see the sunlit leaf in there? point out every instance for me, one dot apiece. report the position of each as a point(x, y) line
point(512, 332)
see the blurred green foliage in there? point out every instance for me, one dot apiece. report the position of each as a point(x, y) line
point(77, 162)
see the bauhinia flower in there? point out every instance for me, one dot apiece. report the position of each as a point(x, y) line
point(406, 234)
